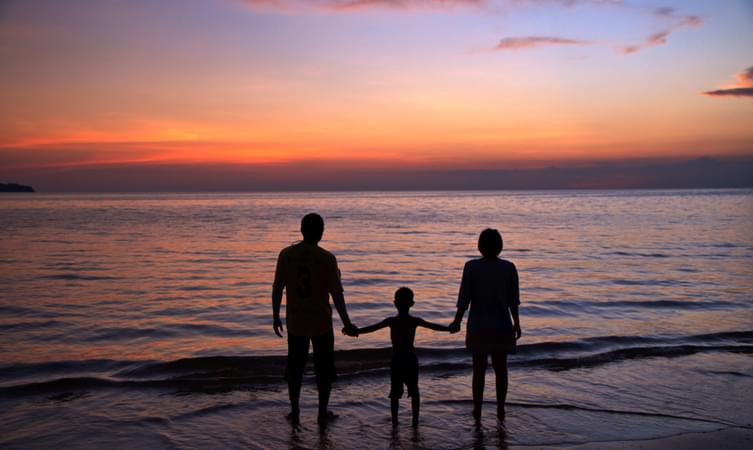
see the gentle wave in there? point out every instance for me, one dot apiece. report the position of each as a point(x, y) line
point(571, 308)
point(231, 372)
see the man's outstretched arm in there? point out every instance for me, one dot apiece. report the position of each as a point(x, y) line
point(276, 302)
point(339, 300)
point(277, 288)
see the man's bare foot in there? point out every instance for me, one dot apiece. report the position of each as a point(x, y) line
point(415, 422)
point(500, 413)
point(477, 414)
point(294, 417)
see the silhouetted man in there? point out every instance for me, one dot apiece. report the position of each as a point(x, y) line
point(309, 275)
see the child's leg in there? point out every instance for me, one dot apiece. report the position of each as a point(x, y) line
point(415, 401)
point(394, 406)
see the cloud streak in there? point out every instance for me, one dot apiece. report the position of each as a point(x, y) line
point(409, 5)
point(526, 42)
point(743, 86)
point(356, 5)
point(677, 21)
point(670, 16)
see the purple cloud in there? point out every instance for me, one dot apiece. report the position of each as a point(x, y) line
point(525, 42)
point(677, 21)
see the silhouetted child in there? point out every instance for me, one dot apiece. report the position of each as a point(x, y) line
point(404, 364)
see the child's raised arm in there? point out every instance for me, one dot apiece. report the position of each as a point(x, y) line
point(432, 326)
point(377, 326)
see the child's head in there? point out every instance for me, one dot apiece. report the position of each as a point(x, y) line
point(403, 299)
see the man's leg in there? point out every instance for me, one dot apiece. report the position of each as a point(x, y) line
point(394, 409)
point(324, 366)
point(480, 362)
point(499, 362)
point(298, 348)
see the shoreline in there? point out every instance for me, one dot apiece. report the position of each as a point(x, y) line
point(732, 438)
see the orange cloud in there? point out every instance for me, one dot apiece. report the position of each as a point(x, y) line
point(351, 5)
point(743, 86)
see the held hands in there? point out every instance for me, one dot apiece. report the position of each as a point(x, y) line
point(454, 327)
point(277, 325)
point(350, 330)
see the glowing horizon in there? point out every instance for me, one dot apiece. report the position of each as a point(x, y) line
point(419, 83)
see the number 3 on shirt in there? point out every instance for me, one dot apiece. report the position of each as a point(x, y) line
point(304, 282)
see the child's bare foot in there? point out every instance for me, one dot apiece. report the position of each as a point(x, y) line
point(477, 414)
point(500, 412)
point(415, 422)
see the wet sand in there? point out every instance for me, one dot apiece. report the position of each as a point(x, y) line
point(728, 439)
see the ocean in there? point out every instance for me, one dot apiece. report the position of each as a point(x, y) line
point(144, 320)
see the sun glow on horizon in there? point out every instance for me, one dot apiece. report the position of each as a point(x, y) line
point(431, 86)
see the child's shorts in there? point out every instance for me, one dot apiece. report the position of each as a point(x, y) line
point(404, 371)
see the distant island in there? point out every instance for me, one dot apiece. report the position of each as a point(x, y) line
point(13, 187)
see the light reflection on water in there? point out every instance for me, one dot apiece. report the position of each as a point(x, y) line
point(125, 278)
point(167, 276)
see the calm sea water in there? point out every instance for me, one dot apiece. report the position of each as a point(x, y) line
point(146, 319)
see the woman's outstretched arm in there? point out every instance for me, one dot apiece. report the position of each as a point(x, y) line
point(455, 325)
point(464, 300)
point(515, 285)
point(516, 321)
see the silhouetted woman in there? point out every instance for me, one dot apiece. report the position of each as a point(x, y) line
point(490, 287)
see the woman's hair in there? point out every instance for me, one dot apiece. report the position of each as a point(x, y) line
point(490, 243)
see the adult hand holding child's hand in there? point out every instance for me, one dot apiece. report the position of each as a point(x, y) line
point(350, 330)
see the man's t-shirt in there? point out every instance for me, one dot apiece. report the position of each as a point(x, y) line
point(309, 274)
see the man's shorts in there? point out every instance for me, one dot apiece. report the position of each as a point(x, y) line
point(324, 357)
point(404, 371)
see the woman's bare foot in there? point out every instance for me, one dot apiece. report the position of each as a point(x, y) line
point(324, 418)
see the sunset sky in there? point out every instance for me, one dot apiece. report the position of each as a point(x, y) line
point(92, 86)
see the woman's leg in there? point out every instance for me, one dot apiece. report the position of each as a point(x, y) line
point(499, 362)
point(480, 361)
